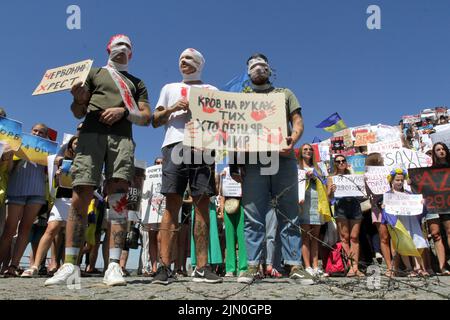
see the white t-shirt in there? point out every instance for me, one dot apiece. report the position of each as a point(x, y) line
point(170, 94)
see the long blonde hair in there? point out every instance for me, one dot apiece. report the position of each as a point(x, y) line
point(312, 160)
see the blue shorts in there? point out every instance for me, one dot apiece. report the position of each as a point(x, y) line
point(348, 208)
point(24, 200)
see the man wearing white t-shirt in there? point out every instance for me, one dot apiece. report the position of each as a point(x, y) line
point(172, 111)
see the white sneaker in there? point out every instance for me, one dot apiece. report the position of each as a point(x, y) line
point(113, 275)
point(319, 273)
point(229, 274)
point(311, 271)
point(63, 276)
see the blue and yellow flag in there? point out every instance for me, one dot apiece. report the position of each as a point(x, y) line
point(401, 239)
point(239, 83)
point(11, 133)
point(333, 123)
point(36, 149)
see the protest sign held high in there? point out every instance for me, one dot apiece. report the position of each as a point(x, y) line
point(63, 78)
point(357, 163)
point(434, 184)
point(351, 185)
point(384, 146)
point(11, 133)
point(236, 121)
point(36, 149)
point(406, 158)
point(363, 138)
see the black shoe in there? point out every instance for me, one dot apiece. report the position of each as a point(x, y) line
point(206, 275)
point(163, 276)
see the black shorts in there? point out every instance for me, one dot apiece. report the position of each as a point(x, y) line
point(176, 175)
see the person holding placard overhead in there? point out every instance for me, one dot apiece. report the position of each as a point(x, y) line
point(111, 101)
point(313, 209)
point(26, 194)
point(348, 215)
point(172, 111)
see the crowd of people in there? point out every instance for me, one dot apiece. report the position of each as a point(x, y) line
point(264, 231)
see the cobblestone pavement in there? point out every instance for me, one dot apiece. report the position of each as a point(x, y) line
point(140, 288)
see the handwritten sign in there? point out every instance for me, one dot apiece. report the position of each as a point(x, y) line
point(230, 188)
point(411, 118)
point(434, 184)
point(153, 203)
point(236, 121)
point(381, 147)
point(347, 135)
point(11, 133)
point(349, 185)
point(63, 78)
point(363, 138)
point(357, 163)
point(406, 158)
point(403, 204)
point(377, 179)
point(387, 133)
point(35, 149)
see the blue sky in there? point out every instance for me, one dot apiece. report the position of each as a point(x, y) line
point(320, 49)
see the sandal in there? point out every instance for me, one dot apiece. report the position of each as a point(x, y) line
point(412, 274)
point(11, 272)
point(444, 272)
point(359, 274)
point(351, 274)
point(423, 273)
point(31, 272)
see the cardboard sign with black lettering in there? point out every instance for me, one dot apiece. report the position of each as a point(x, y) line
point(63, 78)
point(434, 184)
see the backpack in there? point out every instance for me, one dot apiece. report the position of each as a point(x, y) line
point(335, 265)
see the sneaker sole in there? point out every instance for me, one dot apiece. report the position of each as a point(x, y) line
point(206, 280)
point(245, 281)
point(54, 284)
point(163, 282)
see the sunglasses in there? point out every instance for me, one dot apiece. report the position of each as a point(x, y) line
point(340, 161)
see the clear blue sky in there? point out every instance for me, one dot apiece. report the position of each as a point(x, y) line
point(320, 49)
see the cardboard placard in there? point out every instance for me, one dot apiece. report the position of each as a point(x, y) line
point(363, 138)
point(153, 203)
point(349, 185)
point(381, 147)
point(301, 184)
point(406, 159)
point(236, 121)
point(403, 204)
point(36, 149)
point(376, 179)
point(63, 78)
point(11, 133)
point(230, 188)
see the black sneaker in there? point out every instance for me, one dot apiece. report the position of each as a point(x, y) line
point(206, 275)
point(163, 276)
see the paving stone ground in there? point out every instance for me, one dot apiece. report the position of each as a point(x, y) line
point(141, 288)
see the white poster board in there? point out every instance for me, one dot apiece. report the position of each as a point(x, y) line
point(230, 188)
point(153, 203)
point(301, 184)
point(349, 185)
point(403, 204)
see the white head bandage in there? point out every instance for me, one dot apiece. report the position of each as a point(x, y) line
point(114, 50)
point(195, 59)
point(258, 66)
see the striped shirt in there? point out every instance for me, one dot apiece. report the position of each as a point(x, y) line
point(27, 179)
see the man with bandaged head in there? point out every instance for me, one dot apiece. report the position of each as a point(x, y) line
point(110, 101)
point(261, 186)
point(172, 112)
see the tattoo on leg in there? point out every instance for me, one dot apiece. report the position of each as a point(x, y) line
point(79, 227)
point(119, 238)
point(201, 237)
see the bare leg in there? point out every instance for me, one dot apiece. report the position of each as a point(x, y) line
point(355, 226)
point(169, 225)
point(201, 230)
point(14, 214)
point(306, 245)
point(29, 215)
point(52, 230)
point(344, 234)
point(385, 244)
point(315, 230)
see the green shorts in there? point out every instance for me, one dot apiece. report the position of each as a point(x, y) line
point(94, 150)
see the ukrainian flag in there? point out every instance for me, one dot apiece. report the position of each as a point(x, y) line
point(401, 239)
point(333, 123)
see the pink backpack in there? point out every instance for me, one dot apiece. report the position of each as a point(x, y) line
point(334, 262)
